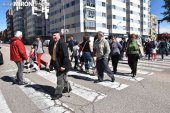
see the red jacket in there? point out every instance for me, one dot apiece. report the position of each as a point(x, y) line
point(17, 50)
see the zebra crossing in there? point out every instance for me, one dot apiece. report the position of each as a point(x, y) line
point(43, 100)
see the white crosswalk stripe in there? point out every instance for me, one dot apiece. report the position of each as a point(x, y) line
point(3, 105)
point(144, 66)
point(42, 100)
point(95, 77)
point(86, 93)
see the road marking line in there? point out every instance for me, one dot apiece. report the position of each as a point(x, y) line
point(129, 70)
point(3, 105)
point(95, 77)
point(154, 65)
point(141, 67)
point(114, 85)
point(42, 100)
point(129, 78)
point(86, 93)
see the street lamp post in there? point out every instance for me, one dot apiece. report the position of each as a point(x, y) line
point(159, 21)
point(64, 20)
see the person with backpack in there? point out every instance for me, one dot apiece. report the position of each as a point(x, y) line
point(87, 49)
point(133, 53)
point(115, 53)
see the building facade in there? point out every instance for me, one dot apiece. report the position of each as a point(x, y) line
point(78, 16)
point(116, 17)
point(153, 26)
point(32, 20)
point(9, 21)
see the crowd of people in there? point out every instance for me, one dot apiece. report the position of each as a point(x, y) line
point(87, 56)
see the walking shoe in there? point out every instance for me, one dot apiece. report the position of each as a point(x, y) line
point(22, 83)
point(57, 96)
point(113, 79)
point(65, 90)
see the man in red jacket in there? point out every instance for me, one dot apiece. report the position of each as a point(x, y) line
point(18, 55)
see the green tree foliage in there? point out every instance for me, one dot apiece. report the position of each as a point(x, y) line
point(166, 13)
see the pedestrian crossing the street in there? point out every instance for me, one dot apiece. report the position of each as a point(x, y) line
point(123, 81)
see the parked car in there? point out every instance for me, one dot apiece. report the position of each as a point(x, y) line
point(46, 42)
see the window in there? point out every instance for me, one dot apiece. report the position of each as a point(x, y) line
point(113, 6)
point(67, 5)
point(90, 3)
point(131, 28)
point(138, 29)
point(138, 6)
point(114, 16)
point(131, 12)
point(90, 13)
point(131, 20)
point(124, 18)
point(103, 14)
point(90, 24)
point(131, 3)
point(73, 3)
point(103, 4)
point(124, 10)
point(114, 27)
point(124, 27)
point(103, 25)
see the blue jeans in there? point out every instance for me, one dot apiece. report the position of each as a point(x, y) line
point(87, 60)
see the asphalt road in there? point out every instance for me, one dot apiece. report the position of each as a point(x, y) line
point(148, 92)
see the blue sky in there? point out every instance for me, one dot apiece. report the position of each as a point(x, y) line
point(155, 9)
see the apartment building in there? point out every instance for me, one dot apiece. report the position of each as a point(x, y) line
point(78, 16)
point(153, 26)
point(32, 20)
point(9, 21)
point(117, 17)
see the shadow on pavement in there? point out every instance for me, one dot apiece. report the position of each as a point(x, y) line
point(9, 79)
point(42, 88)
point(82, 77)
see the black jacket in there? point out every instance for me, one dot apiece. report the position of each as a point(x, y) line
point(62, 56)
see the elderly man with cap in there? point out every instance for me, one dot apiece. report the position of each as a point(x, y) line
point(18, 55)
point(60, 58)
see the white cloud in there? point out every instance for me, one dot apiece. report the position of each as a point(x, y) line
point(165, 29)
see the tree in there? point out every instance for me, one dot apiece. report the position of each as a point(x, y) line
point(166, 13)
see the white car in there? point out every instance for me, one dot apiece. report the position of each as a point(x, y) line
point(46, 42)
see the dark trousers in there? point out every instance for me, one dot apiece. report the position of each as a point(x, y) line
point(61, 83)
point(76, 62)
point(115, 60)
point(19, 74)
point(132, 61)
point(102, 66)
point(51, 66)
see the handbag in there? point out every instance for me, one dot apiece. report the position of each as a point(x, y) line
point(1, 59)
